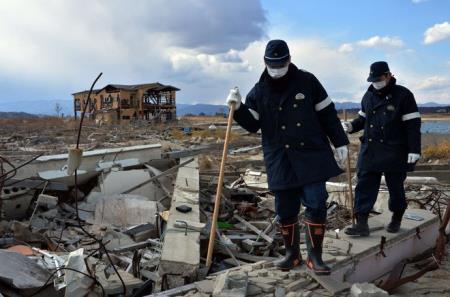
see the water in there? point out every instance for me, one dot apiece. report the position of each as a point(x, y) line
point(440, 127)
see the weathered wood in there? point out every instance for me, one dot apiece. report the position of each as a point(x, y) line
point(254, 229)
point(253, 258)
point(212, 233)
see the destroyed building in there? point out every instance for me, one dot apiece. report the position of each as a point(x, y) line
point(142, 204)
point(151, 101)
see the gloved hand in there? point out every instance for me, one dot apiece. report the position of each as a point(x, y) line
point(234, 97)
point(413, 158)
point(348, 128)
point(342, 153)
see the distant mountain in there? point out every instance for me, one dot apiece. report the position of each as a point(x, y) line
point(13, 115)
point(47, 107)
point(196, 109)
point(347, 105)
point(433, 104)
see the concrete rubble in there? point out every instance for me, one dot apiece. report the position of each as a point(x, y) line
point(137, 217)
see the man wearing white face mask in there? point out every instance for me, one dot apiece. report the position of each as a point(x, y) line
point(390, 146)
point(297, 119)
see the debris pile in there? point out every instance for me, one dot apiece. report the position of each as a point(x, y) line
point(135, 221)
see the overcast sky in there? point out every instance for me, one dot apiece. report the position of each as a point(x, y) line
point(51, 48)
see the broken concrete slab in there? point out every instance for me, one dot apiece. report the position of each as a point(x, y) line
point(181, 251)
point(373, 256)
point(113, 285)
point(256, 180)
point(20, 272)
point(61, 176)
point(367, 290)
point(329, 283)
point(117, 182)
point(91, 158)
point(125, 210)
point(77, 284)
point(14, 202)
point(231, 284)
point(122, 164)
point(114, 239)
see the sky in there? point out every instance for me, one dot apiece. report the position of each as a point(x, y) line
point(50, 49)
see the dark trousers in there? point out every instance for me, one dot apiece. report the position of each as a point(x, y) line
point(312, 196)
point(366, 191)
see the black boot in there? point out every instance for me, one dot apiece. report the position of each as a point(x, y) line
point(314, 240)
point(291, 237)
point(396, 221)
point(361, 228)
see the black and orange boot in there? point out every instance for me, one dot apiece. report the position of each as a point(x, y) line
point(314, 239)
point(291, 236)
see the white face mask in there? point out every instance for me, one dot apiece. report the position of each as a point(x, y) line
point(277, 72)
point(379, 84)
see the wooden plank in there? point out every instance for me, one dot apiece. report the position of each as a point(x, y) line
point(254, 229)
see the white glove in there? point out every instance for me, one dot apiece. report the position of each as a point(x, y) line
point(342, 153)
point(348, 128)
point(413, 158)
point(234, 97)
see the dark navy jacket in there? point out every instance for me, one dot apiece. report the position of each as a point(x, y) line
point(295, 116)
point(391, 123)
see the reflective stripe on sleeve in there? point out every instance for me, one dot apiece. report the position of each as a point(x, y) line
point(410, 116)
point(254, 114)
point(322, 104)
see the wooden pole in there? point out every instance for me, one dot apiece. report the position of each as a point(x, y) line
point(212, 233)
point(349, 177)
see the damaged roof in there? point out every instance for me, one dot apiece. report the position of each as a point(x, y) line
point(157, 86)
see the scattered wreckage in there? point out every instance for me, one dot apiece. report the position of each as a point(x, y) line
point(136, 220)
point(135, 224)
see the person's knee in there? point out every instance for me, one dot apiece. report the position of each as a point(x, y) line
point(287, 203)
point(316, 215)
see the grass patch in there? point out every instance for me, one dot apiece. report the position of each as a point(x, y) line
point(440, 150)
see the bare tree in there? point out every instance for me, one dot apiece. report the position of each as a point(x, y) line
point(58, 109)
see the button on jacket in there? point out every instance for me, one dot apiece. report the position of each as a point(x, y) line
point(296, 118)
point(391, 122)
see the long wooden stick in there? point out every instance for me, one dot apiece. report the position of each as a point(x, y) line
point(349, 177)
point(212, 233)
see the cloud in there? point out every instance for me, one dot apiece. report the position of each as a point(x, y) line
point(346, 48)
point(426, 88)
point(437, 33)
point(419, 1)
point(385, 42)
point(434, 83)
point(53, 48)
point(62, 45)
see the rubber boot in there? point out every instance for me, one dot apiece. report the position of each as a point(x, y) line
point(314, 239)
point(361, 227)
point(396, 221)
point(291, 237)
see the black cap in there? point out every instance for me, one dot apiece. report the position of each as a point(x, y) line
point(277, 53)
point(377, 69)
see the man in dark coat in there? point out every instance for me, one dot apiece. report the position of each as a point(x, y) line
point(297, 119)
point(390, 146)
